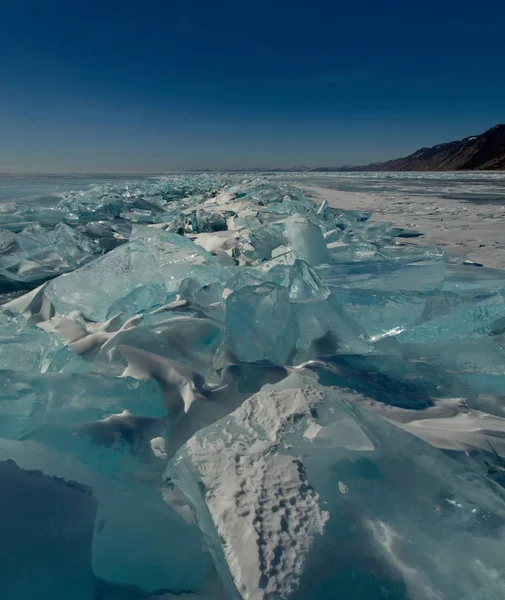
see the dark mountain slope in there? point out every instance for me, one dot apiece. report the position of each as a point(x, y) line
point(479, 152)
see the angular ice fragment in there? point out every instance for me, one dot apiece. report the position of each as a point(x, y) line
point(467, 278)
point(266, 239)
point(37, 253)
point(206, 222)
point(177, 257)
point(76, 248)
point(463, 322)
point(141, 299)
point(29, 400)
point(382, 314)
point(477, 363)
point(307, 240)
point(24, 347)
point(260, 324)
point(271, 501)
point(244, 277)
point(94, 288)
point(389, 270)
point(325, 328)
point(201, 295)
point(305, 284)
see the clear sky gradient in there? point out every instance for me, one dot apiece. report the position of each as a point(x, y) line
point(92, 85)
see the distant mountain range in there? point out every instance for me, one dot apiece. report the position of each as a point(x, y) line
point(484, 152)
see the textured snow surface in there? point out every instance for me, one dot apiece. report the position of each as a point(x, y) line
point(261, 502)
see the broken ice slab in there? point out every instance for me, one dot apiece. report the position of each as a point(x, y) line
point(46, 528)
point(306, 240)
point(96, 286)
point(479, 355)
point(348, 218)
point(177, 257)
point(261, 324)
point(24, 347)
point(201, 295)
point(204, 221)
point(122, 445)
point(142, 298)
point(277, 211)
point(400, 232)
point(477, 363)
point(22, 217)
point(373, 231)
point(325, 329)
point(207, 299)
point(245, 276)
point(138, 215)
point(468, 278)
point(30, 400)
point(418, 269)
point(269, 194)
point(9, 248)
point(265, 240)
point(479, 318)
point(382, 314)
point(76, 248)
point(107, 234)
point(304, 495)
point(305, 285)
point(36, 253)
point(348, 252)
point(392, 379)
point(139, 539)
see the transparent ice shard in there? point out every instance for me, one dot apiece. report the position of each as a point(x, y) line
point(24, 347)
point(29, 401)
point(394, 379)
point(477, 363)
point(260, 324)
point(305, 284)
point(466, 278)
point(382, 314)
point(185, 339)
point(140, 299)
point(392, 269)
point(307, 240)
point(203, 222)
point(94, 288)
point(76, 248)
point(463, 322)
point(266, 239)
point(325, 329)
point(38, 253)
point(177, 257)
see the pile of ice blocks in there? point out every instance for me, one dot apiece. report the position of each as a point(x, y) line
point(236, 393)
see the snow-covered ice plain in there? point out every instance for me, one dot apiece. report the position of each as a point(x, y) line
point(288, 386)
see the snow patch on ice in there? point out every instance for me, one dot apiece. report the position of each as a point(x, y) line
point(265, 511)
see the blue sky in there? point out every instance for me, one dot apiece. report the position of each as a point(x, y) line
point(160, 85)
